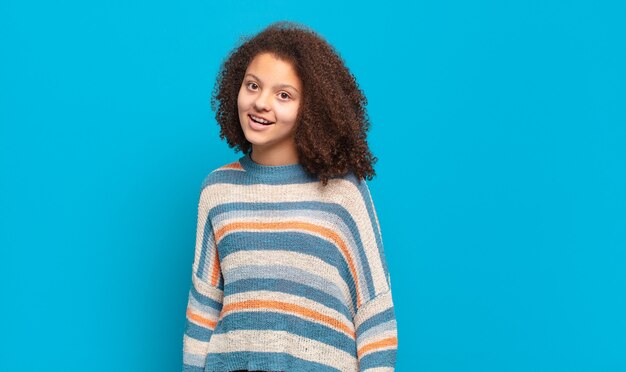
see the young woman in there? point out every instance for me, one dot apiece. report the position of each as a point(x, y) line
point(289, 272)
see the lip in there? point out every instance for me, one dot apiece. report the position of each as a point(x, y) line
point(259, 116)
point(258, 127)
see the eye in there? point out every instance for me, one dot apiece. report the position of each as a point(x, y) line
point(285, 96)
point(252, 83)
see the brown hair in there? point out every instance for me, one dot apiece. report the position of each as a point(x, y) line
point(332, 122)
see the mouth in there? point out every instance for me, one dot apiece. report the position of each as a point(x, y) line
point(260, 120)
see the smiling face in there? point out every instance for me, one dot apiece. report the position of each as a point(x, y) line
point(268, 102)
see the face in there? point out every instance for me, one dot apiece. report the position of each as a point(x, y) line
point(268, 103)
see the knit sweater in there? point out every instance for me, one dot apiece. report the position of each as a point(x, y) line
point(288, 275)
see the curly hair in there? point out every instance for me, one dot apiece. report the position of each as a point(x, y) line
point(332, 122)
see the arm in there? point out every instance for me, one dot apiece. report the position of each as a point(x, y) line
point(205, 294)
point(377, 334)
point(375, 320)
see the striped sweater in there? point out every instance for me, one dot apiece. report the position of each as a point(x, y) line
point(288, 275)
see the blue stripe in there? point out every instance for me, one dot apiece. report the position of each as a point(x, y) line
point(200, 308)
point(382, 358)
point(314, 215)
point(257, 361)
point(208, 241)
point(192, 361)
point(363, 188)
point(237, 177)
point(291, 274)
point(286, 286)
point(273, 321)
point(332, 208)
point(366, 195)
point(188, 368)
point(293, 241)
point(198, 332)
point(346, 217)
point(381, 328)
point(204, 300)
point(377, 319)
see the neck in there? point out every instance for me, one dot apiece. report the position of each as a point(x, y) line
point(275, 157)
point(275, 174)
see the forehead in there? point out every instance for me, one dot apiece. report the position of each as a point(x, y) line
point(273, 70)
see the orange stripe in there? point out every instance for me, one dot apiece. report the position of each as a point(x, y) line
point(200, 319)
point(296, 309)
point(233, 165)
point(298, 226)
point(391, 341)
point(215, 269)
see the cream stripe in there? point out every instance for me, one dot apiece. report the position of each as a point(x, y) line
point(386, 348)
point(294, 259)
point(194, 360)
point(347, 236)
point(290, 299)
point(371, 200)
point(259, 193)
point(206, 310)
point(376, 306)
point(203, 212)
point(383, 327)
point(357, 208)
point(193, 346)
point(207, 290)
point(378, 337)
point(333, 193)
point(318, 218)
point(276, 341)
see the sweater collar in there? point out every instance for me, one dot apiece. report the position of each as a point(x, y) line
point(275, 173)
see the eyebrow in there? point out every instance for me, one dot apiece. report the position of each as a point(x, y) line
point(276, 86)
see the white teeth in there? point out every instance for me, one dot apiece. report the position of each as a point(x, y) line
point(255, 118)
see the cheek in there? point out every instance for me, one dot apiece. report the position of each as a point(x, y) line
point(288, 113)
point(241, 100)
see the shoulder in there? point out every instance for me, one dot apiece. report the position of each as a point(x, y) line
point(353, 188)
point(352, 199)
point(222, 172)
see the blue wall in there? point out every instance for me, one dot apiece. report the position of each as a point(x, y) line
point(500, 131)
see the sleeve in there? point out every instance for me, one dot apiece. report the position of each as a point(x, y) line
point(205, 294)
point(375, 319)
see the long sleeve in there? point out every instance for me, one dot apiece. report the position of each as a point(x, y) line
point(205, 293)
point(374, 320)
point(377, 334)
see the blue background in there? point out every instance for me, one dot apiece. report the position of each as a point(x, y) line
point(500, 131)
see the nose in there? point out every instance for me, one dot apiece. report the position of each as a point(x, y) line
point(262, 101)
